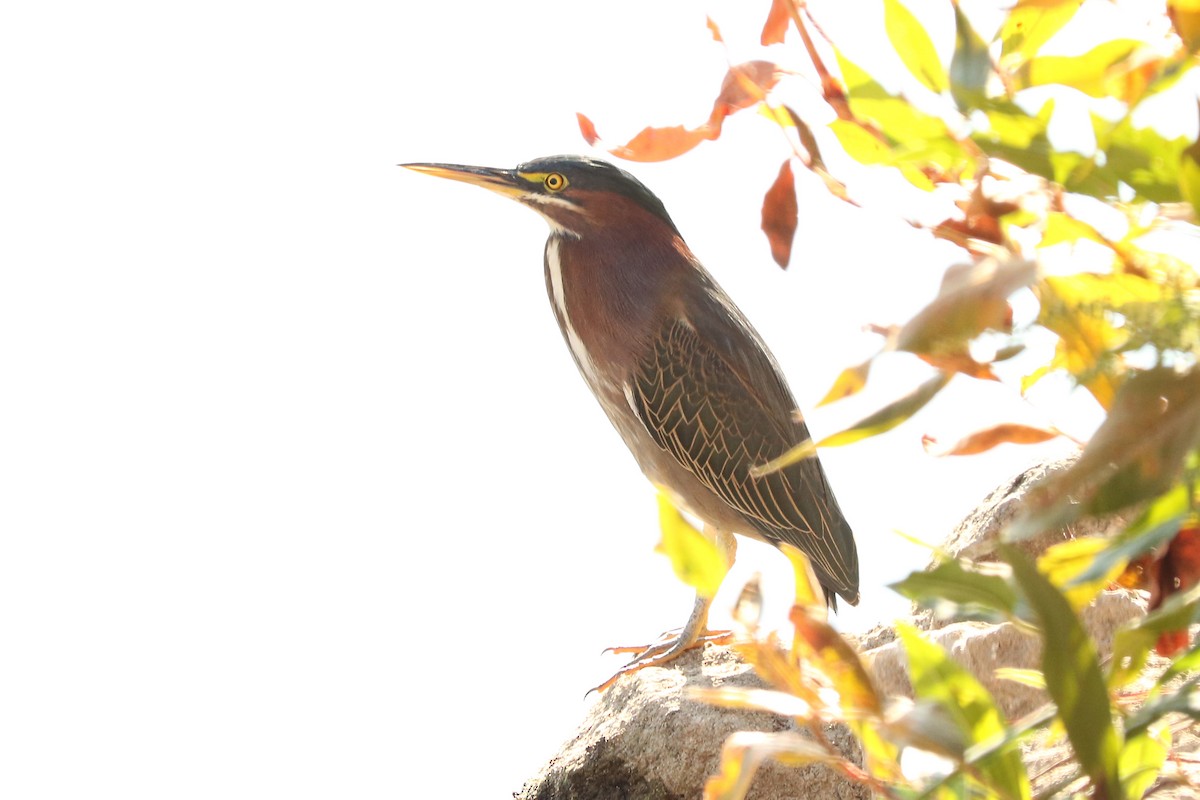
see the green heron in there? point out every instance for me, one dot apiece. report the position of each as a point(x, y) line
point(683, 376)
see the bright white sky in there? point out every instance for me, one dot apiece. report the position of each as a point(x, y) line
point(300, 493)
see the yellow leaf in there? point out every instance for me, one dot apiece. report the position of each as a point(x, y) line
point(850, 382)
point(808, 588)
point(1065, 560)
point(1033, 678)
point(697, 561)
point(912, 42)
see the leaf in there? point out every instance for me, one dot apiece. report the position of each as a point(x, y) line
point(891, 415)
point(915, 48)
point(1142, 759)
point(696, 560)
point(1185, 701)
point(936, 677)
point(808, 588)
point(1073, 676)
point(1033, 678)
point(587, 128)
point(744, 85)
point(850, 381)
point(1132, 643)
point(1062, 563)
point(1080, 310)
point(1185, 18)
point(952, 590)
point(775, 28)
point(1004, 433)
point(973, 298)
point(1089, 73)
point(1029, 25)
point(1136, 454)
point(780, 214)
point(1189, 173)
point(714, 29)
point(745, 751)
point(838, 660)
point(970, 66)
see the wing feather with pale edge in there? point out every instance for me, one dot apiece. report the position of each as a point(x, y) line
point(719, 414)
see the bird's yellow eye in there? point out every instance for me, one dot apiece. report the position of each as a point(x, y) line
point(555, 182)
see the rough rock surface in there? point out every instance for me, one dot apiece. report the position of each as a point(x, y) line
point(645, 740)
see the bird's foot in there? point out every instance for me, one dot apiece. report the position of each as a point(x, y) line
point(665, 649)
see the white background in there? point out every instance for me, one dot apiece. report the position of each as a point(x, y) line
point(300, 493)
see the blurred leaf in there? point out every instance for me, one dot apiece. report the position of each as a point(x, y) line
point(1063, 562)
point(972, 298)
point(1062, 227)
point(1015, 136)
point(891, 415)
point(1029, 25)
point(859, 143)
point(898, 120)
point(745, 751)
point(1189, 173)
point(1033, 678)
point(714, 29)
point(770, 700)
point(849, 382)
point(1136, 454)
point(1142, 759)
point(1185, 18)
point(696, 560)
point(1073, 676)
point(1089, 72)
point(778, 19)
point(1004, 433)
point(881, 421)
point(913, 45)
point(971, 64)
point(780, 214)
point(954, 591)
point(745, 85)
point(937, 678)
point(808, 589)
point(1142, 158)
point(1079, 309)
point(1132, 643)
point(1185, 701)
point(838, 660)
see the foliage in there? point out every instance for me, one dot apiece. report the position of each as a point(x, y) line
point(1051, 145)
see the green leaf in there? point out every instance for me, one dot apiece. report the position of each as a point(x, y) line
point(696, 560)
point(952, 590)
point(970, 66)
point(1073, 676)
point(881, 421)
point(1063, 562)
point(937, 678)
point(1018, 137)
point(1142, 759)
point(1030, 24)
point(891, 415)
point(912, 43)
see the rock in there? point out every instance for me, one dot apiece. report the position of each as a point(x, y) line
point(645, 741)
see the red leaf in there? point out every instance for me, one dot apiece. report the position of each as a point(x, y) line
point(780, 214)
point(1178, 571)
point(588, 129)
point(777, 22)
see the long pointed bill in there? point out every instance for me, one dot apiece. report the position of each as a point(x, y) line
point(503, 181)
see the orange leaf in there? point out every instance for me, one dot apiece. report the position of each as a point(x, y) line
point(712, 27)
point(661, 144)
point(986, 439)
point(1178, 571)
point(780, 214)
point(777, 22)
point(588, 129)
point(745, 85)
